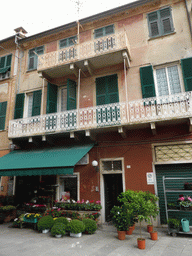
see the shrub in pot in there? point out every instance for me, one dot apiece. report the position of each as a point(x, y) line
point(62, 220)
point(173, 224)
point(58, 229)
point(76, 227)
point(90, 226)
point(45, 223)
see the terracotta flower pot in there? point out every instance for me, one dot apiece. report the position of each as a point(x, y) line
point(141, 243)
point(121, 235)
point(149, 228)
point(154, 235)
point(130, 230)
point(133, 226)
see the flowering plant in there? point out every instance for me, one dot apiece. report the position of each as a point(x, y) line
point(185, 201)
point(32, 216)
point(79, 205)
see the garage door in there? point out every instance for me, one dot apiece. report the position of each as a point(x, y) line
point(173, 170)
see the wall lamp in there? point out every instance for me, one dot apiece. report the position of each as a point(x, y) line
point(95, 165)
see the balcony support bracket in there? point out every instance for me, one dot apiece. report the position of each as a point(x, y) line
point(89, 67)
point(74, 69)
point(153, 128)
point(121, 130)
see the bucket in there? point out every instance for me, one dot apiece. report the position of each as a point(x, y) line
point(185, 225)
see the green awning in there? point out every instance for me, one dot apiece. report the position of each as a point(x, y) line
point(4, 70)
point(42, 162)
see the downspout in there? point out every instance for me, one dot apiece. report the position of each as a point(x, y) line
point(188, 17)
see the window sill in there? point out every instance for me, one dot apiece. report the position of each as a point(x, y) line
point(162, 36)
point(31, 70)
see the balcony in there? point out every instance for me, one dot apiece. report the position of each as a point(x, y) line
point(101, 52)
point(142, 111)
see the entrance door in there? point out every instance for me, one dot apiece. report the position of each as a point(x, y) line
point(113, 186)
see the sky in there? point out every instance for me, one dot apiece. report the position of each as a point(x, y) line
point(39, 15)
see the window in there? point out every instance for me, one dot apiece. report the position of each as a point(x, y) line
point(69, 53)
point(62, 99)
point(33, 57)
point(28, 105)
point(160, 22)
point(3, 108)
point(100, 32)
point(167, 80)
point(5, 66)
point(67, 42)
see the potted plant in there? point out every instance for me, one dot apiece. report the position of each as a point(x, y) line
point(75, 227)
point(90, 226)
point(121, 220)
point(173, 225)
point(58, 229)
point(45, 224)
point(185, 202)
point(62, 220)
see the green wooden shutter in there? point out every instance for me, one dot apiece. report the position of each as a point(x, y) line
point(19, 104)
point(112, 89)
point(51, 98)
point(36, 109)
point(147, 82)
point(2, 62)
point(8, 62)
point(186, 65)
point(101, 96)
point(3, 108)
point(71, 94)
point(166, 21)
point(153, 23)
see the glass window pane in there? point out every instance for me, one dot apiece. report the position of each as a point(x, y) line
point(30, 104)
point(174, 81)
point(162, 84)
point(63, 100)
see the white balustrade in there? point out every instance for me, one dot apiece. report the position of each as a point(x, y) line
point(82, 51)
point(114, 114)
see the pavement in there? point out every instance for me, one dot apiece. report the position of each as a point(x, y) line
point(29, 242)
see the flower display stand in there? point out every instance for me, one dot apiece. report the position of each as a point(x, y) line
point(32, 221)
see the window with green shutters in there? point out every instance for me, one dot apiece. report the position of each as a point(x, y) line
point(186, 65)
point(19, 105)
point(160, 22)
point(147, 82)
point(5, 66)
point(51, 98)
point(3, 109)
point(68, 42)
point(104, 31)
point(33, 57)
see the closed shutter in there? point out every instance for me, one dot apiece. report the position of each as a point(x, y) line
point(3, 108)
point(51, 98)
point(71, 94)
point(166, 20)
point(186, 65)
point(147, 82)
point(172, 171)
point(36, 109)
point(112, 86)
point(2, 62)
point(153, 24)
point(19, 104)
point(8, 62)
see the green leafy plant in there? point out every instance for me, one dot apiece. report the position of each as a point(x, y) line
point(90, 226)
point(120, 217)
point(62, 220)
point(45, 222)
point(173, 223)
point(7, 208)
point(76, 226)
point(58, 229)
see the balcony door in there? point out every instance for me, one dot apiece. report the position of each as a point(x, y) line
point(107, 98)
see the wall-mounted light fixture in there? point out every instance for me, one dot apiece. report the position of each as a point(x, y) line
point(95, 165)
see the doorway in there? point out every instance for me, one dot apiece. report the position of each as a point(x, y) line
point(113, 186)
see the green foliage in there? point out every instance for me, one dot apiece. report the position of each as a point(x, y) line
point(62, 220)
point(173, 223)
point(90, 225)
point(45, 222)
point(120, 217)
point(58, 229)
point(76, 226)
point(7, 208)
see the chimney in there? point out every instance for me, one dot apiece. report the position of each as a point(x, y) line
point(20, 32)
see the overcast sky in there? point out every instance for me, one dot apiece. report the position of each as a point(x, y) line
point(39, 15)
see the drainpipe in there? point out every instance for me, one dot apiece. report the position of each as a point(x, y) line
point(188, 17)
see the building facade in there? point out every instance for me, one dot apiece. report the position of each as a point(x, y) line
point(113, 88)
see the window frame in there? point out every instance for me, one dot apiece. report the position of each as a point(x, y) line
point(166, 70)
point(35, 57)
point(159, 21)
point(68, 42)
point(59, 98)
point(104, 31)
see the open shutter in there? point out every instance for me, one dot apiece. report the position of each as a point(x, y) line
point(3, 108)
point(36, 109)
point(2, 62)
point(51, 98)
point(186, 65)
point(19, 104)
point(147, 82)
point(112, 89)
point(71, 94)
point(8, 62)
point(101, 91)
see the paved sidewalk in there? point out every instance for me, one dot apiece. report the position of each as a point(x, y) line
point(28, 242)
